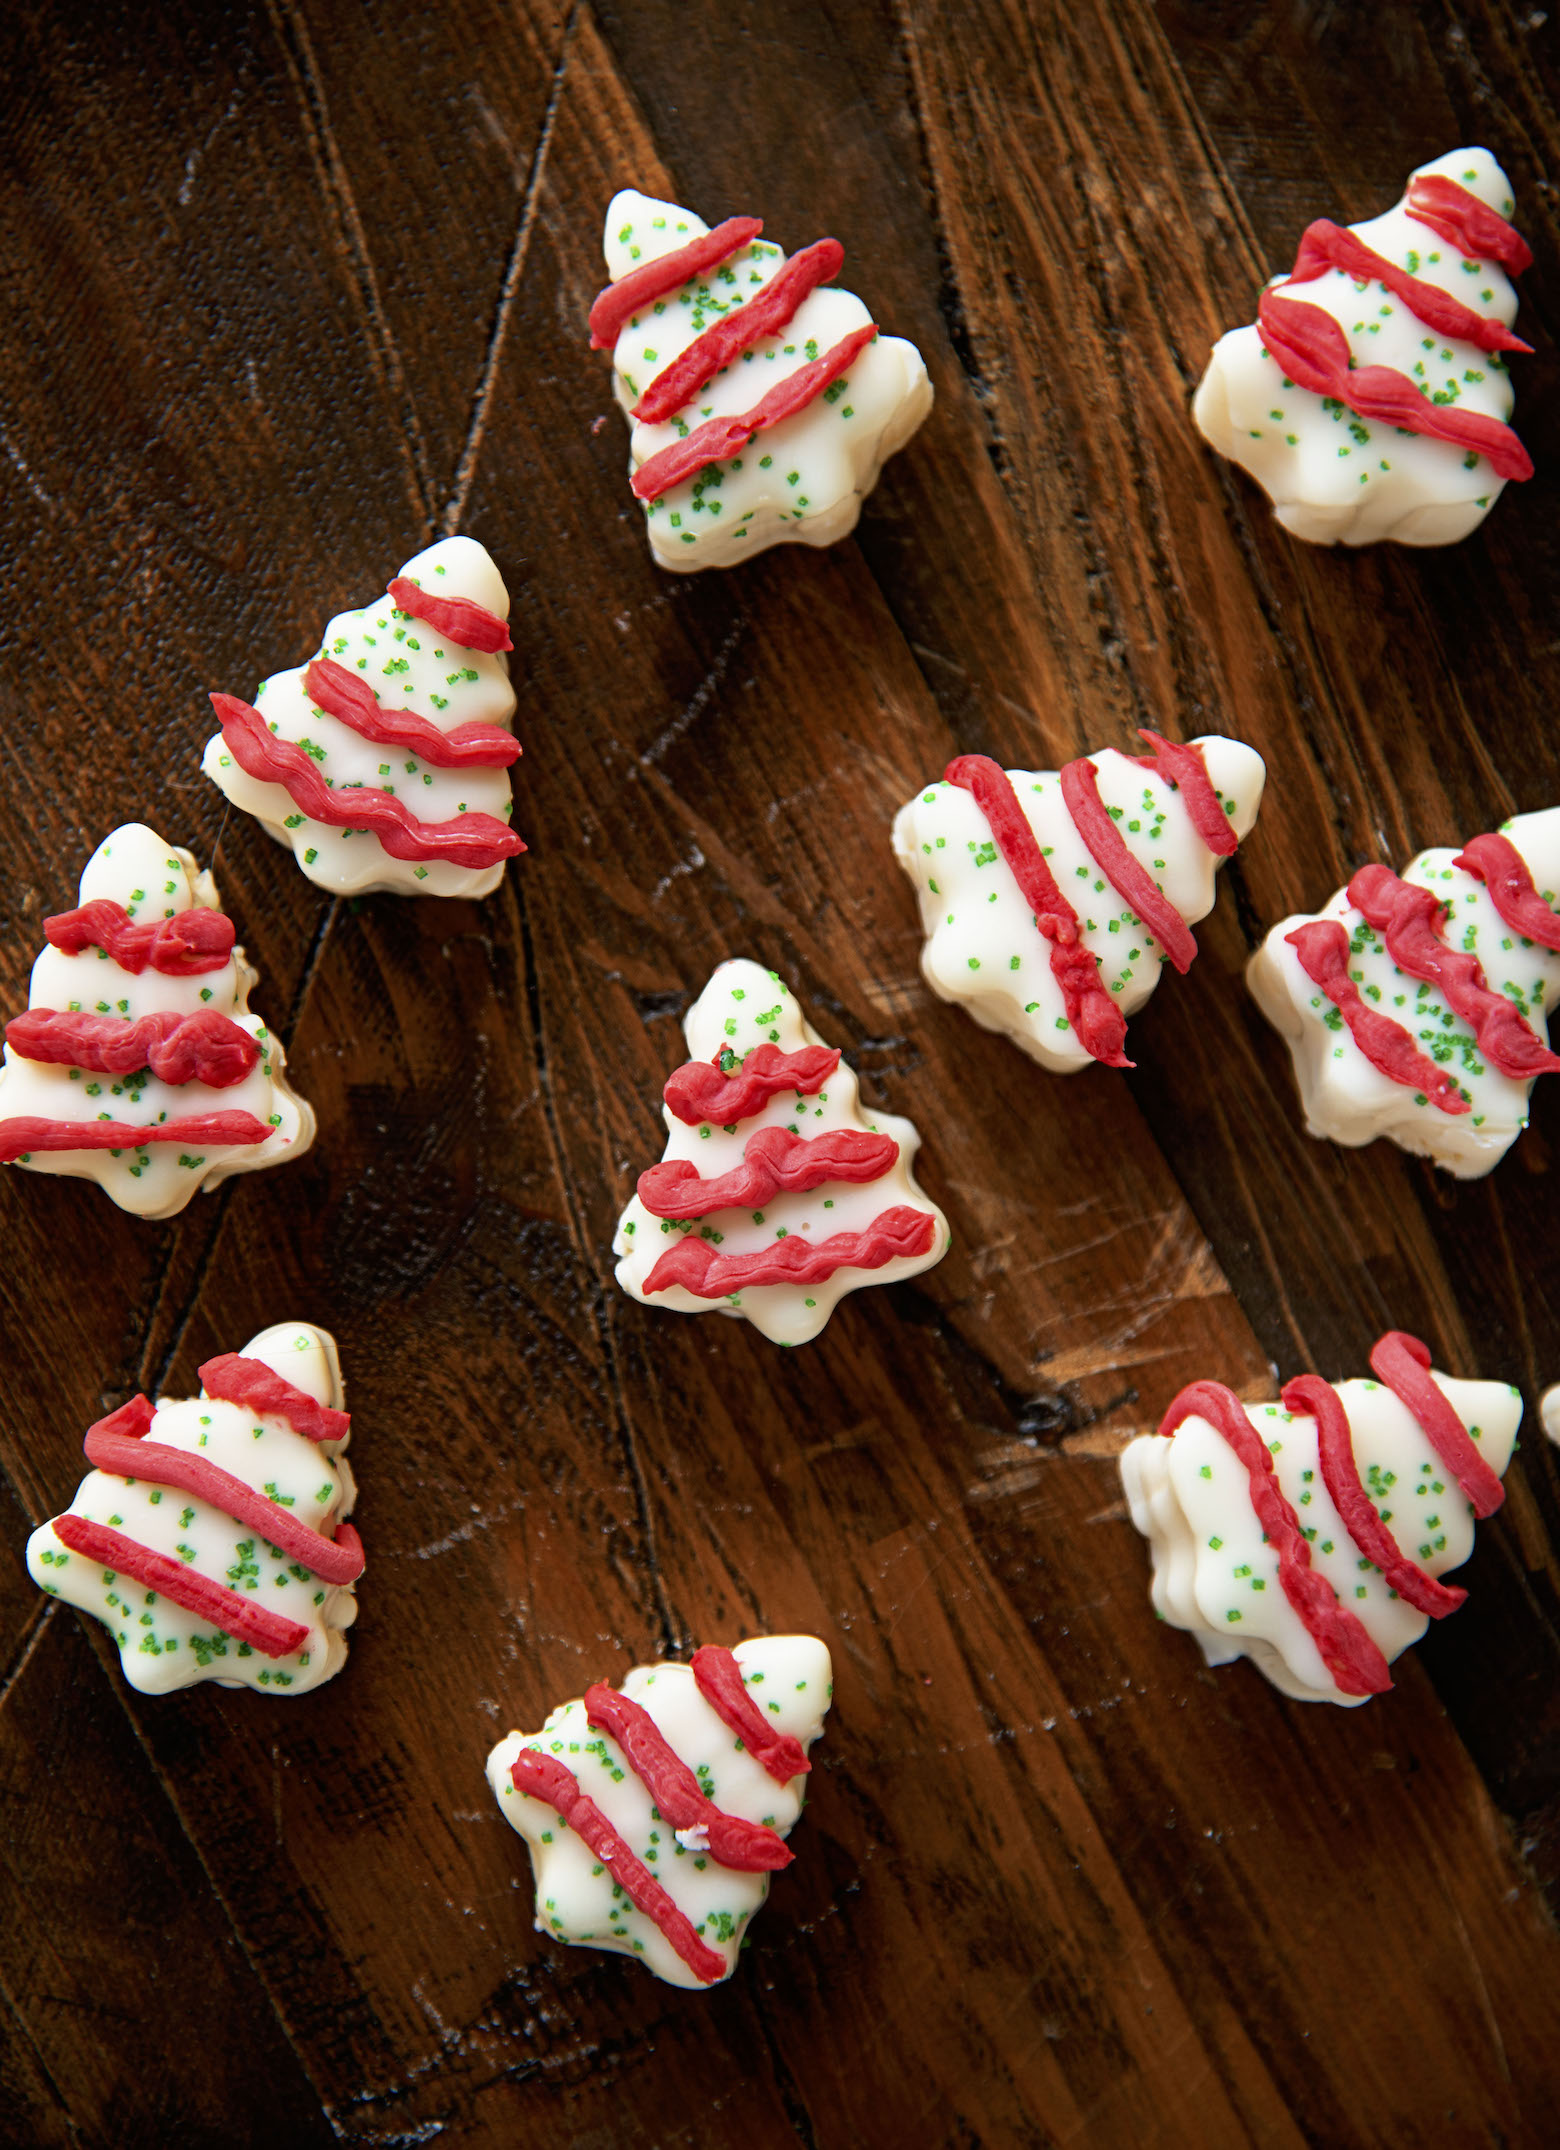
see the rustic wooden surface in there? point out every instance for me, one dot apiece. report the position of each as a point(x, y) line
point(292, 287)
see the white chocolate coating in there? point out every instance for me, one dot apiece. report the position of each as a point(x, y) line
point(1348, 1101)
point(409, 666)
point(982, 946)
point(161, 1646)
point(1217, 1576)
point(802, 481)
point(1549, 1412)
point(1337, 479)
point(745, 1005)
point(153, 879)
point(791, 1677)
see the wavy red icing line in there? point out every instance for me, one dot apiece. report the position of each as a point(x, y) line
point(542, 1776)
point(232, 1378)
point(184, 946)
point(1182, 766)
point(205, 1048)
point(352, 701)
point(1355, 1663)
point(1323, 950)
point(1495, 860)
point(1325, 245)
point(218, 1130)
point(1313, 350)
point(118, 1444)
point(1107, 847)
point(719, 438)
point(1472, 226)
point(1309, 1396)
point(473, 840)
point(237, 1616)
point(459, 619)
point(745, 1847)
point(616, 306)
point(699, 1094)
point(747, 324)
point(774, 1160)
point(1402, 1362)
point(897, 1234)
point(1412, 921)
point(718, 1674)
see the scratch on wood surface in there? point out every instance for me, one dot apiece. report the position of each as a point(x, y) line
point(699, 700)
point(34, 2054)
point(32, 1634)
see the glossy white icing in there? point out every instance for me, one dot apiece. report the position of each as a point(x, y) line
point(1549, 1411)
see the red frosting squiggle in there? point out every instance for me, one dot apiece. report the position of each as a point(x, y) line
point(542, 1776)
point(1402, 1362)
point(725, 340)
point(773, 1159)
point(473, 840)
point(206, 1048)
point(185, 946)
point(745, 1847)
point(1323, 949)
point(232, 1378)
point(1325, 245)
point(657, 279)
point(1411, 920)
point(718, 1672)
point(1181, 763)
point(459, 619)
point(1108, 848)
point(698, 1093)
point(217, 1130)
point(1356, 1664)
point(1495, 860)
point(899, 1233)
point(351, 701)
point(236, 1615)
point(1465, 222)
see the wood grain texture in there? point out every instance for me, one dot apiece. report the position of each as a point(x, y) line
point(293, 288)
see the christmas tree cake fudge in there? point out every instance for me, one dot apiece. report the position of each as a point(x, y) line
point(384, 761)
point(778, 1192)
point(1549, 1411)
point(1415, 1008)
point(210, 1536)
point(1052, 900)
point(138, 1063)
point(762, 401)
point(656, 1813)
point(1310, 1535)
point(1371, 397)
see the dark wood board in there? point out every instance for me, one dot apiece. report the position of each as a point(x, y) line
point(292, 288)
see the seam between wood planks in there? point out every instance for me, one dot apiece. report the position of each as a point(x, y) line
point(45, 2073)
point(32, 1634)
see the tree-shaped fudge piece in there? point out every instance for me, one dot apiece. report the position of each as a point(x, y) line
point(763, 402)
point(656, 1813)
point(210, 1535)
point(1051, 901)
point(138, 1063)
point(1370, 398)
point(1310, 1534)
point(384, 761)
point(1415, 1008)
point(777, 1194)
point(1549, 1411)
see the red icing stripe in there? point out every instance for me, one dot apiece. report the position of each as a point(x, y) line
point(1495, 860)
point(1313, 351)
point(617, 305)
point(1465, 222)
point(694, 1264)
point(698, 1093)
point(542, 1776)
point(773, 1159)
point(1181, 764)
point(1099, 1024)
point(218, 1130)
point(1403, 1363)
point(232, 1378)
point(1108, 848)
point(114, 1444)
point(765, 314)
point(351, 700)
point(1356, 1664)
point(719, 438)
point(473, 840)
point(1310, 1396)
point(1323, 949)
point(1412, 919)
point(745, 1847)
point(458, 619)
point(184, 946)
point(1325, 245)
point(718, 1672)
point(206, 1048)
point(236, 1615)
